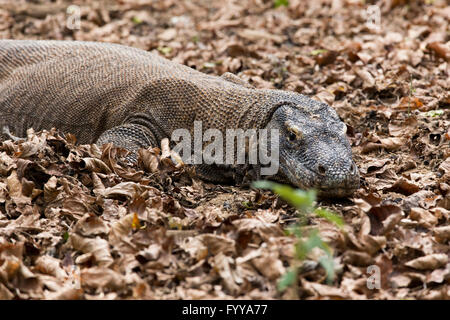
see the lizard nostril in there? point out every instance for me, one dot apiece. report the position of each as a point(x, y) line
point(321, 169)
point(353, 168)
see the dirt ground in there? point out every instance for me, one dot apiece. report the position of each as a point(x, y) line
point(76, 223)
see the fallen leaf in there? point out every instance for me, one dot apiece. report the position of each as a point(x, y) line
point(98, 247)
point(429, 262)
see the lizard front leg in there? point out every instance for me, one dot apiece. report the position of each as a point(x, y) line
point(131, 137)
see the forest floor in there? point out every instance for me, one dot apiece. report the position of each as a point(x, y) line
point(76, 223)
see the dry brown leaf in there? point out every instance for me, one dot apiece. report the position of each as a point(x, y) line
point(424, 217)
point(121, 230)
point(6, 164)
point(65, 294)
point(15, 189)
point(264, 230)
point(418, 199)
point(99, 188)
point(50, 189)
point(445, 165)
point(30, 148)
point(374, 165)
point(400, 281)
point(439, 275)
point(392, 143)
point(366, 76)
point(429, 262)
point(150, 253)
point(224, 267)
point(123, 189)
point(269, 264)
point(324, 291)
point(148, 159)
point(440, 49)
point(409, 103)
point(94, 165)
point(360, 259)
point(217, 244)
point(195, 247)
point(255, 35)
point(102, 278)
point(168, 34)
point(405, 128)
point(404, 186)
point(442, 234)
point(98, 247)
point(5, 294)
point(327, 57)
point(51, 266)
point(91, 225)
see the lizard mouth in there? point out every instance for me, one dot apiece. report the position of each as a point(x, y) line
point(305, 178)
point(339, 192)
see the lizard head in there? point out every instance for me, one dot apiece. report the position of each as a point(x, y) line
point(314, 151)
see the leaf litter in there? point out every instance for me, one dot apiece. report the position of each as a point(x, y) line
point(77, 223)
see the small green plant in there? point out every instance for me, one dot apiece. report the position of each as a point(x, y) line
point(318, 51)
point(195, 38)
point(279, 3)
point(434, 113)
point(307, 240)
point(209, 65)
point(165, 50)
point(65, 236)
point(136, 20)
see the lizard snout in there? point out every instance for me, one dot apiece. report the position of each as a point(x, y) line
point(330, 179)
point(337, 180)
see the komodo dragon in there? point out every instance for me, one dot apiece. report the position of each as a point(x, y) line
point(112, 93)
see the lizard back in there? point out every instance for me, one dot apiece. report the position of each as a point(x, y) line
point(76, 86)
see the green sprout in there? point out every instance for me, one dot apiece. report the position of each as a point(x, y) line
point(279, 3)
point(305, 203)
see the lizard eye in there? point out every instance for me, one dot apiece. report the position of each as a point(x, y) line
point(292, 136)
